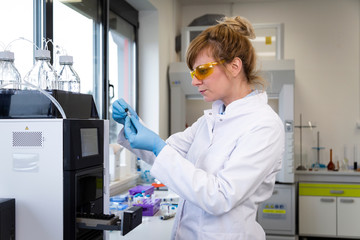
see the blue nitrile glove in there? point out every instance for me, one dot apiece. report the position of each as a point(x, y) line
point(141, 137)
point(119, 112)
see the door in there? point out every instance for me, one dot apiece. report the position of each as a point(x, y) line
point(317, 216)
point(348, 212)
point(277, 214)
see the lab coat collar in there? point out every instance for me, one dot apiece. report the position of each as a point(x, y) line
point(246, 105)
point(243, 104)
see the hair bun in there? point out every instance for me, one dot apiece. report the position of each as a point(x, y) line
point(239, 24)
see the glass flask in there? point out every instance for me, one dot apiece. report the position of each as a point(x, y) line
point(68, 79)
point(331, 165)
point(8, 73)
point(42, 73)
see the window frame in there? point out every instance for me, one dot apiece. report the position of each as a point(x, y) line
point(43, 28)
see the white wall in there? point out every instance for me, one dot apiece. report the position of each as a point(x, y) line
point(167, 10)
point(149, 69)
point(323, 38)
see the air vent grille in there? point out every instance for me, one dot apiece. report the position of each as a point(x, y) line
point(27, 139)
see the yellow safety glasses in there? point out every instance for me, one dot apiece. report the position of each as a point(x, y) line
point(204, 70)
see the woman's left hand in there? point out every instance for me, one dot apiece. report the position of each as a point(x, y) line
point(141, 137)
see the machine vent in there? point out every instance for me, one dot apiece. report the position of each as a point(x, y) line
point(27, 139)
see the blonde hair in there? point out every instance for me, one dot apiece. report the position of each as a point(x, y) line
point(226, 40)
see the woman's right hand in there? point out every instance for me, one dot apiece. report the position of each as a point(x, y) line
point(120, 112)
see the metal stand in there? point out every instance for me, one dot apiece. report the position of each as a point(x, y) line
point(302, 167)
point(318, 148)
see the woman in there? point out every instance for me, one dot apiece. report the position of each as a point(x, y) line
point(225, 164)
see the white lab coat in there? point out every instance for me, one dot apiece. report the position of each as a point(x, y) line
point(222, 167)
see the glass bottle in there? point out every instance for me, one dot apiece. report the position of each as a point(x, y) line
point(8, 73)
point(68, 79)
point(331, 165)
point(42, 73)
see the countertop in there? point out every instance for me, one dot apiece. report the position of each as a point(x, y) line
point(324, 175)
point(151, 227)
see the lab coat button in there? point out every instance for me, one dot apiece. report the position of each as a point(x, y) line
point(210, 113)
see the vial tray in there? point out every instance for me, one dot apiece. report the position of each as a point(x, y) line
point(131, 218)
point(149, 190)
point(149, 207)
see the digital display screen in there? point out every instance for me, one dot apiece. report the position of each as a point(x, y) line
point(89, 142)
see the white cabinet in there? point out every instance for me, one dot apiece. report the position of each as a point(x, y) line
point(331, 210)
point(348, 215)
point(317, 216)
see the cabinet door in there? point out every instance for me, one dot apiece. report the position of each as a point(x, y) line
point(348, 211)
point(317, 216)
point(277, 214)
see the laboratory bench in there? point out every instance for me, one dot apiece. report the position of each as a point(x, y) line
point(150, 228)
point(328, 204)
point(328, 176)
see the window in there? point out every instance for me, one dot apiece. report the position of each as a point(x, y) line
point(121, 66)
point(12, 29)
point(73, 35)
point(122, 81)
point(77, 32)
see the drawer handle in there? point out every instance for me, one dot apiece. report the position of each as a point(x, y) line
point(337, 191)
point(347, 200)
point(327, 200)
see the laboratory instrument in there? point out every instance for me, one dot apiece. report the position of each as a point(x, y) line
point(8, 72)
point(42, 74)
point(277, 214)
point(301, 126)
point(318, 165)
point(68, 80)
point(56, 167)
